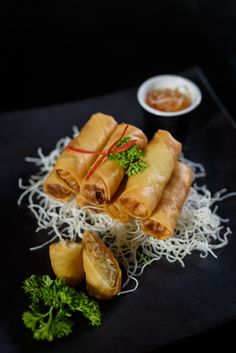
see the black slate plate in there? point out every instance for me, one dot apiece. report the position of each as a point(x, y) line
point(171, 303)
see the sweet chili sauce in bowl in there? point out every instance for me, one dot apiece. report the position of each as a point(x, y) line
point(169, 95)
point(168, 102)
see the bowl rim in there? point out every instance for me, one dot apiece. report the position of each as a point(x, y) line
point(157, 112)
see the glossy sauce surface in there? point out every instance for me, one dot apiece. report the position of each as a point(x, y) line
point(168, 100)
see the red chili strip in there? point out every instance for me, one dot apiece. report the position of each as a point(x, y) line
point(101, 159)
point(118, 140)
point(95, 166)
point(124, 147)
point(104, 153)
point(79, 150)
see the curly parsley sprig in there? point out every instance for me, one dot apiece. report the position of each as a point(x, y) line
point(52, 305)
point(131, 159)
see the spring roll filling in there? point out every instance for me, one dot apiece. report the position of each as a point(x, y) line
point(103, 261)
point(57, 190)
point(95, 194)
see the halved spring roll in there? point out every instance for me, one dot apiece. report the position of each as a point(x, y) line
point(71, 166)
point(101, 186)
point(102, 271)
point(163, 221)
point(66, 261)
point(114, 208)
point(143, 191)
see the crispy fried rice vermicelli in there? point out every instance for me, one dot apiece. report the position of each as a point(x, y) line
point(200, 228)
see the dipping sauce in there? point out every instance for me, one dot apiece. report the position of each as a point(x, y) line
point(168, 100)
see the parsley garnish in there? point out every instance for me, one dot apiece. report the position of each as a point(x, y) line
point(52, 305)
point(130, 159)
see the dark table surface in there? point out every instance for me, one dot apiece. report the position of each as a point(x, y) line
point(173, 307)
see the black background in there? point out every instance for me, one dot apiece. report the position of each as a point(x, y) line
point(63, 51)
point(55, 53)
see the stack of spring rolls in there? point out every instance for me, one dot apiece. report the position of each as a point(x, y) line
point(155, 196)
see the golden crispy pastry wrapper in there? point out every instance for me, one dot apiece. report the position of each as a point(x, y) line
point(66, 261)
point(72, 166)
point(143, 191)
point(163, 221)
point(101, 186)
point(102, 271)
point(81, 201)
point(56, 187)
point(114, 208)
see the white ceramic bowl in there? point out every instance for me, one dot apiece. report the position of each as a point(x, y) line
point(169, 81)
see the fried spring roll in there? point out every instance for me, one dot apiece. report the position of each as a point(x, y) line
point(66, 261)
point(114, 208)
point(163, 221)
point(102, 271)
point(143, 191)
point(101, 186)
point(71, 166)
